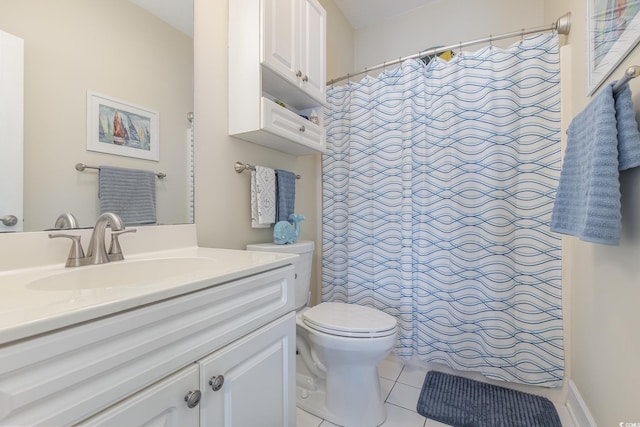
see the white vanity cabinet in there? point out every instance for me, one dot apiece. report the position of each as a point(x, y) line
point(161, 404)
point(136, 367)
point(247, 383)
point(252, 381)
point(277, 52)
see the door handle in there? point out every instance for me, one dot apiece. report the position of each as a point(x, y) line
point(9, 220)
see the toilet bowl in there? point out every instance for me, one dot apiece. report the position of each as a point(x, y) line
point(349, 341)
point(339, 348)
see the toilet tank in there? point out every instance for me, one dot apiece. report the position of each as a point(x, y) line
point(304, 249)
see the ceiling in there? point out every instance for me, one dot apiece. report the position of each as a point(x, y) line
point(177, 13)
point(362, 13)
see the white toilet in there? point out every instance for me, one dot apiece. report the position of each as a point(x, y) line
point(339, 348)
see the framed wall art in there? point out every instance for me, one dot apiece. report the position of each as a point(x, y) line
point(613, 31)
point(121, 128)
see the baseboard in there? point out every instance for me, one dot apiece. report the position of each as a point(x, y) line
point(578, 408)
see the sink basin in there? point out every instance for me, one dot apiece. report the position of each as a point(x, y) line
point(124, 274)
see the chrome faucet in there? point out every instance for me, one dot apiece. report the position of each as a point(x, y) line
point(97, 249)
point(66, 221)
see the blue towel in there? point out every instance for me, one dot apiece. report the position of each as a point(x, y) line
point(602, 139)
point(285, 194)
point(628, 134)
point(129, 193)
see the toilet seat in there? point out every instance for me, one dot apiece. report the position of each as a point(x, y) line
point(349, 320)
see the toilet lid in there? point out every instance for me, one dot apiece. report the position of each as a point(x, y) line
point(349, 320)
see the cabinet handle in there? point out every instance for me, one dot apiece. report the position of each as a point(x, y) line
point(299, 73)
point(216, 382)
point(302, 128)
point(193, 398)
point(305, 78)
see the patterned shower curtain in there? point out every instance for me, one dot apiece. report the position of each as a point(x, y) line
point(438, 185)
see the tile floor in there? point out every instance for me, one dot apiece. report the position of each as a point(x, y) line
point(401, 385)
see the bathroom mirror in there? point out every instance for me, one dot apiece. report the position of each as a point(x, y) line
point(115, 48)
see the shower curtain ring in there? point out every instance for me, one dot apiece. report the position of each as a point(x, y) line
point(490, 41)
point(460, 48)
point(522, 36)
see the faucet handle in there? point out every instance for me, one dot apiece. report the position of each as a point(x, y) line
point(115, 252)
point(76, 253)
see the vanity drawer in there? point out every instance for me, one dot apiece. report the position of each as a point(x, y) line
point(288, 125)
point(63, 377)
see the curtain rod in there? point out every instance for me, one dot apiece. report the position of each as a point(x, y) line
point(562, 26)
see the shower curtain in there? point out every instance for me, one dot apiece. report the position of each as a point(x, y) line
point(438, 185)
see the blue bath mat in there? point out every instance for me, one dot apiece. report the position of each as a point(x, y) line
point(461, 402)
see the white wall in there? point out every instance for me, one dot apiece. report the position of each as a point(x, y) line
point(222, 196)
point(340, 41)
point(115, 48)
point(604, 280)
point(441, 23)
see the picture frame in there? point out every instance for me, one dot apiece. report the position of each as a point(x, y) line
point(613, 30)
point(121, 128)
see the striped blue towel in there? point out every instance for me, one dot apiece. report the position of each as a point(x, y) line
point(602, 139)
point(129, 193)
point(285, 194)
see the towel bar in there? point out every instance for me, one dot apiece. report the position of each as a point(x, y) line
point(630, 73)
point(81, 167)
point(241, 167)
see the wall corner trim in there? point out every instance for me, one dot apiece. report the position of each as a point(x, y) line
point(578, 408)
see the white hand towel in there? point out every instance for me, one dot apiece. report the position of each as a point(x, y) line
point(263, 197)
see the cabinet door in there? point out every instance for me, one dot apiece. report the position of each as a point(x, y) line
point(280, 27)
point(11, 123)
point(254, 378)
point(312, 49)
point(159, 405)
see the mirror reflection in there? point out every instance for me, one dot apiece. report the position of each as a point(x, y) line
point(118, 49)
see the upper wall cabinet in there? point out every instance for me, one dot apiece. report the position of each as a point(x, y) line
point(277, 55)
point(294, 43)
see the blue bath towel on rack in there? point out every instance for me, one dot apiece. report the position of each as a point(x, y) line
point(129, 193)
point(285, 194)
point(602, 140)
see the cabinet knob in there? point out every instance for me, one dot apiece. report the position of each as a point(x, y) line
point(305, 78)
point(302, 128)
point(193, 398)
point(216, 382)
point(299, 73)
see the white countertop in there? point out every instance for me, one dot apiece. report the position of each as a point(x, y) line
point(26, 310)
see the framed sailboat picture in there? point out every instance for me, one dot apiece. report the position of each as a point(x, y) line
point(121, 128)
